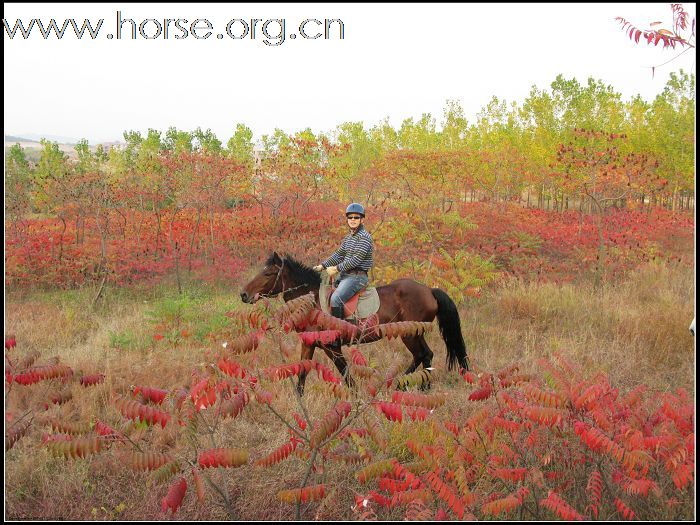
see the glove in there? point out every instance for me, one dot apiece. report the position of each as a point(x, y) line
point(318, 268)
point(332, 270)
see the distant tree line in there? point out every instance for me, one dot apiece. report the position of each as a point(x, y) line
point(570, 146)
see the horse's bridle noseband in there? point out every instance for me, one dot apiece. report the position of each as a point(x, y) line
point(279, 274)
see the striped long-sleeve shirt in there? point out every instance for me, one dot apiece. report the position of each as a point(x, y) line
point(355, 252)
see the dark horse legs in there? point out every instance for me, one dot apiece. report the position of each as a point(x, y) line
point(417, 345)
point(422, 354)
point(307, 352)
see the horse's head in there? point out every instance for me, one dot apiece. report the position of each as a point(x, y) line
point(269, 281)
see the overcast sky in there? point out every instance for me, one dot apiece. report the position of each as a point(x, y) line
point(395, 61)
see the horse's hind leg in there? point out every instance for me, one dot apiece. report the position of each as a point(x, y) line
point(422, 355)
point(427, 353)
point(416, 348)
point(427, 359)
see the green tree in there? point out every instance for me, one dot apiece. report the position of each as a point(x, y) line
point(542, 132)
point(673, 120)
point(272, 144)
point(454, 127)
point(593, 106)
point(87, 160)
point(240, 146)
point(207, 141)
point(52, 170)
point(385, 136)
point(499, 170)
point(18, 184)
point(356, 153)
point(177, 141)
point(420, 135)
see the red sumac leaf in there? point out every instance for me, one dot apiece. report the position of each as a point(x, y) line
point(481, 394)
point(92, 379)
point(222, 457)
point(176, 493)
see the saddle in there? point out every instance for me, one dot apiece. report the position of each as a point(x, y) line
point(360, 306)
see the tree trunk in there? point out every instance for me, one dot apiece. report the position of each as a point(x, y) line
point(139, 222)
point(599, 276)
point(104, 232)
point(674, 200)
point(194, 234)
point(124, 224)
point(211, 234)
point(173, 248)
point(157, 235)
point(60, 252)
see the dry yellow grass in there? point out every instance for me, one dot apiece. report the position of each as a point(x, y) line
point(635, 331)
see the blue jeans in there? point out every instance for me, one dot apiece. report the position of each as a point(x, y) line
point(348, 285)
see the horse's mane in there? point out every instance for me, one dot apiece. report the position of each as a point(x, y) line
point(305, 274)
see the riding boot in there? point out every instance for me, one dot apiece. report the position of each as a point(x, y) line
point(338, 311)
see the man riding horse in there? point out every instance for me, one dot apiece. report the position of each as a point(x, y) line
point(401, 300)
point(352, 260)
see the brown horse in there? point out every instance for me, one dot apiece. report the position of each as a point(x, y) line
point(402, 300)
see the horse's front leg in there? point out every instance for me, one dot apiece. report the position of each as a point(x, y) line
point(307, 352)
point(336, 355)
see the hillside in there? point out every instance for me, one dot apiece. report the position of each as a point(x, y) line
point(32, 148)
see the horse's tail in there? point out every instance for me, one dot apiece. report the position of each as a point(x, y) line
point(451, 330)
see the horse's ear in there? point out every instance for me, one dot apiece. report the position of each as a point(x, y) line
point(276, 259)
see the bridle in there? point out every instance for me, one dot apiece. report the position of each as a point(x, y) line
point(279, 274)
point(277, 278)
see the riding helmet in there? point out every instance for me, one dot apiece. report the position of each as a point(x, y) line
point(355, 207)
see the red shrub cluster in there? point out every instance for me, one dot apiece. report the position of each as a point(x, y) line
point(556, 444)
